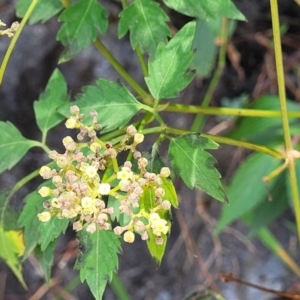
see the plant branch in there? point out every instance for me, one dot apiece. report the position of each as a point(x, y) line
point(15, 38)
point(240, 112)
point(284, 112)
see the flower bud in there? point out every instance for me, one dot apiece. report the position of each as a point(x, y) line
point(91, 228)
point(166, 204)
point(95, 147)
point(138, 138)
point(45, 191)
point(91, 171)
point(104, 188)
point(71, 123)
point(129, 237)
point(45, 216)
point(131, 130)
point(45, 172)
point(165, 172)
point(74, 110)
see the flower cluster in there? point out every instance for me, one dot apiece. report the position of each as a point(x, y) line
point(80, 192)
point(9, 31)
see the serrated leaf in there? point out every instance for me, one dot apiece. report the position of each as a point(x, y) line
point(114, 104)
point(13, 146)
point(46, 107)
point(46, 259)
point(195, 166)
point(35, 231)
point(247, 189)
point(168, 70)
point(43, 11)
point(28, 219)
point(206, 9)
point(11, 239)
point(82, 21)
point(206, 48)
point(98, 259)
point(147, 203)
point(147, 24)
point(51, 230)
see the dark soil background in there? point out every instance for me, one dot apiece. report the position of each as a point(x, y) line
point(194, 257)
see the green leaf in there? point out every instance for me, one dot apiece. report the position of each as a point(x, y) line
point(11, 239)
point(114, 104)
point(35, 231)
point(147, 24)
point(98, 259)
point(55, 96)
point(206, 9)
point(13, 146)
point(51, 230)
point(195, 166)
point(82, 21)
point(168, 70)
point(147, 203)
point(122, 218)
point(206, 49)
point(265, 130)
point(46, 259)
point(43, 11)
point(247, 189)
point(269, 209)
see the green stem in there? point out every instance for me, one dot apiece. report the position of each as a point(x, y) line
point(200, 119)
point(141, 61)
point(193, 109)
point(147, 99)
point(118, 288)
point(15, 38)
point(284, 111)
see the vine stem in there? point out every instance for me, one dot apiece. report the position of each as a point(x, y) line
point(240, 112)
point(15, 38)
point(284, 112)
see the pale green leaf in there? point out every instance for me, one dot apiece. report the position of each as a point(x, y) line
point(195, 166)
point(43, 11)
point(147, 24)
point(46, 259)
point(114, 104)
point(98, 259)
point(168, 70)
point(13, 146)
point(147, 203)
point(11, 238)
point(247, 190)
point(206, 9)
point(46, 107)
point(82, 22)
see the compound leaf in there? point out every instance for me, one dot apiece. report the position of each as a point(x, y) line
point(43, 11)
point(55, 96)
point(147, 24)
point(13, 146)
point(247, 189)
point(114, 104)
point(82, 21)
point(206, 9)
point(11, 239)
point(98, 259)
point(195, 166)
point(168, 70)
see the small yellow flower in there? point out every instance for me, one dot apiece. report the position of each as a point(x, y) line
point(45, 172)
point(104, 188)
point(128, 237)
point(55, 203)
point(138, 138)
point(91, 171)
point(72, 123)
point(45, 191)
point(86, 202)
point(45, 216)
